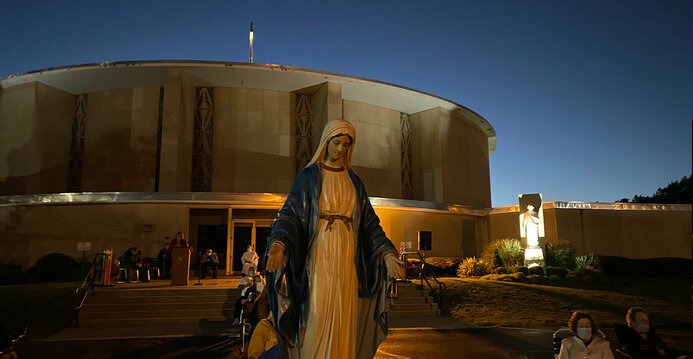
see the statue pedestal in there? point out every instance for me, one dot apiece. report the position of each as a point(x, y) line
point(534, 257)
point(180, 268)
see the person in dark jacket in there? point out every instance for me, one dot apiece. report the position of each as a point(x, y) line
point(639, 339)
point(164, 260)
point(131, 260)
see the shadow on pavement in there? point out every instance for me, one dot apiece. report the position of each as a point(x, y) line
point(193, 347)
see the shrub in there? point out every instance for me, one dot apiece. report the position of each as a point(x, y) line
point(535, 279)
point(56, 267)
point(443, 266)
point(11, 274)
point(536, 271)
point(555, 279)
point(472, 267)
point(511, 252)
point(560, 254)
point(587, 279)
point(501, 270)
point(504, 253)
point(570, 278)
point(506, 278)
point(581, 262)
point(524, 270)
point(559, 271)
point(491, 256)
point(519, 276)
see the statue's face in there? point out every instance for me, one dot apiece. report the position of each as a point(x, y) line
point(338, 148)
point(530, 207)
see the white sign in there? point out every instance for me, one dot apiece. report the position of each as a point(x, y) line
point(83, 246)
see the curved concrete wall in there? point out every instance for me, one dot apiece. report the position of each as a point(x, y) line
point(254, 138)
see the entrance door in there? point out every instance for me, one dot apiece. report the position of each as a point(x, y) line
point(242, 237)
point(214, 238)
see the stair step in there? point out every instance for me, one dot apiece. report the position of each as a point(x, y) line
point(199, 313)
point(130, 307)
point(102, 298)
point(413, 300)
point(166, 292)
point(140, 321)
point(406, 307)
point(402, 294)
point(411, 313)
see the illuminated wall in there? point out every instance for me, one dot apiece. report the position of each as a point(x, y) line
point(455, 152)
point(35, 132)
point(608, 229)
point(120, 140)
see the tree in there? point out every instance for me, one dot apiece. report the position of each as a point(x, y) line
point(680, 191)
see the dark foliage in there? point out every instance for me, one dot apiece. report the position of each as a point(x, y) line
point(536, 271)
point(55, 267)
point(680, 191)
point(561, 254)
point(11, 274)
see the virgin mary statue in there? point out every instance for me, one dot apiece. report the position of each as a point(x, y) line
point(330, 261)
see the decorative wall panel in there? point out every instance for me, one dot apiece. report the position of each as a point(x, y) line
point(406, 157)
point(203, 140)
point(74, 176)
point(304, 117)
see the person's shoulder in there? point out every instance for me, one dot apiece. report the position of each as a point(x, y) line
point(570, 341)
point(600, 341)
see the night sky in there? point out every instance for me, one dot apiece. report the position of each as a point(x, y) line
point(591, 100)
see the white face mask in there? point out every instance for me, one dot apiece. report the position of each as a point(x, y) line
point(584, 333)
point(642, 328)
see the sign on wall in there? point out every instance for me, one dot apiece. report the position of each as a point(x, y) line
point(83, 246)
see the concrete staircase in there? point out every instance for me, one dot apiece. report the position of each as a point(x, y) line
point(412, 302)
point(147, 306)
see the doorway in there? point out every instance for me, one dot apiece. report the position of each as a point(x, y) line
point(250, 232)
point(213, 237)
point(242, 237)
point(208, 229)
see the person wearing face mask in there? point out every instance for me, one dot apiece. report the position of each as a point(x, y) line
point(587, 341)
point(639, 338)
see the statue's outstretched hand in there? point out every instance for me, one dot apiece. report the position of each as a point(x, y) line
point(394, 266)
point(275, 257)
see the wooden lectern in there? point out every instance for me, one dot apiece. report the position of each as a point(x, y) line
point(180, 268)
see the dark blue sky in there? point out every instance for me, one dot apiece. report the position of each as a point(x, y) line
point(591, 100)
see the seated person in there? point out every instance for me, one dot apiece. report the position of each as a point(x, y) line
point(164, 260)
point(209, 260)
point(259, 282)
point(639, 339)
point(263, 342)
point(587, 341)
point(244, 282)
point(248, 294)
point(131, 260)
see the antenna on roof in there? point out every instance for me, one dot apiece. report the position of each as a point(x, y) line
point(251, 42)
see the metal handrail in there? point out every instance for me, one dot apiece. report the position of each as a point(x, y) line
point(87, 285)
point(442, 288)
